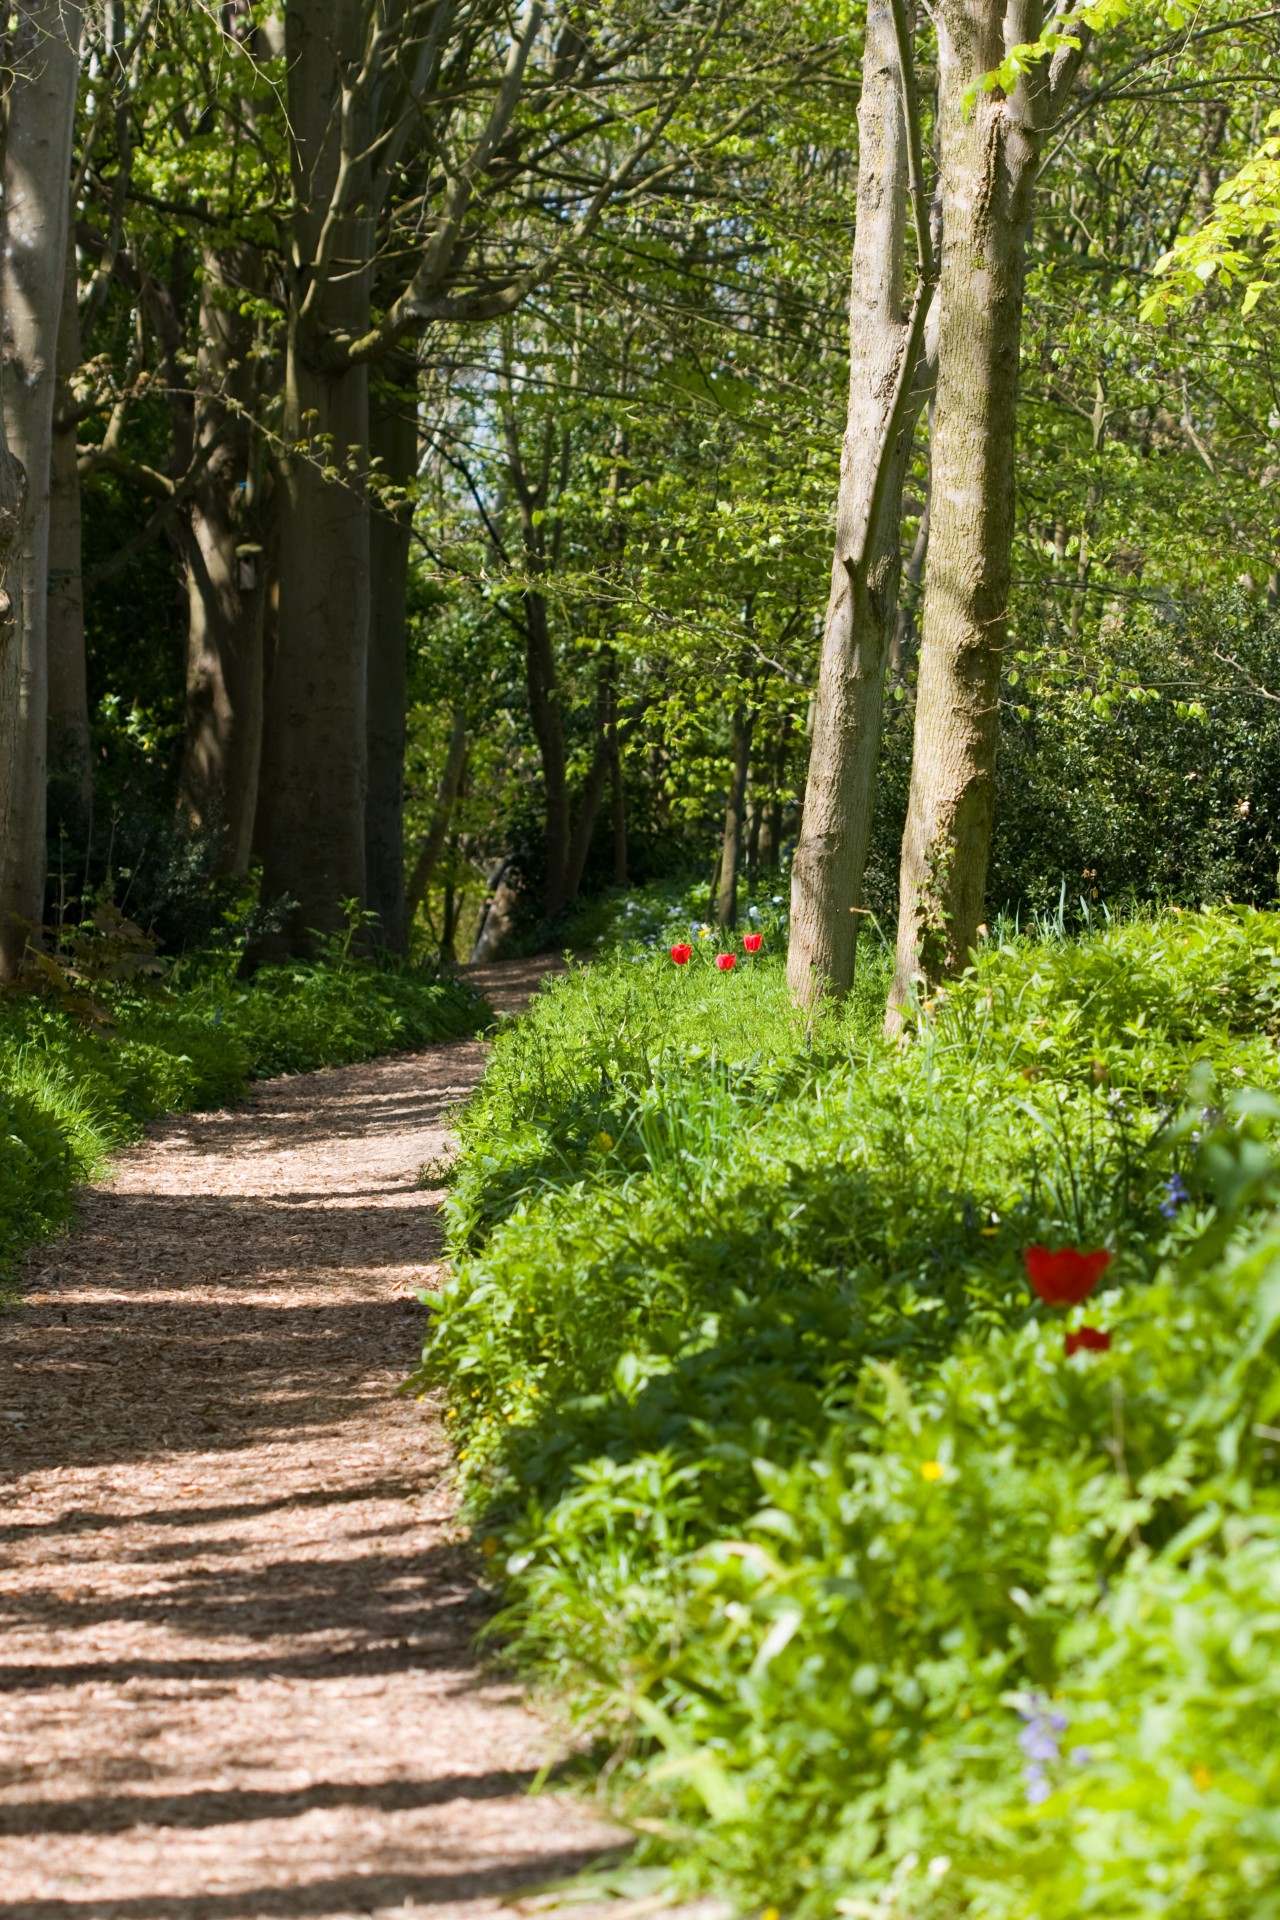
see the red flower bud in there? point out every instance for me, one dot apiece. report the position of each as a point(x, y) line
point(1092, 1339)
point(751, 941)
point(1066, 1277)
point(726, 961)
point(682, 955)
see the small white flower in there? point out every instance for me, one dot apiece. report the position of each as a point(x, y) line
point(939, 1866)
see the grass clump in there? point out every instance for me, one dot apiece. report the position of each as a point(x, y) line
point(883, 1604)
point(72, 1091)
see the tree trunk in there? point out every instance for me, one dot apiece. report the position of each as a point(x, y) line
point(735, 807)
point(226, 576)
point(313, 838)
point(446, 793)
point(591, 798)
point(884, 401)
point(617, 800)
point(393, 435)
point(989, 151)
point(548, 728)
point(43, 61)
point(497, 921)
point(904, 632)
point(70, 755)
point(755, 821)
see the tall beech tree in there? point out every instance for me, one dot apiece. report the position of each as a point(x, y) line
point(409, 126)
point(222, 536)
point(886, 390)
point(41, 58)
point(990, 145)
point(70, 747)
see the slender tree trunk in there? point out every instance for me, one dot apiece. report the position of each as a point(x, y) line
point(541, 679)
point(755, 821)
point(989, 154)
point(771, 822)
point(770, 834)
point(313, 838)
point(393, 436)
point(591, 798)
point(226, 576)
point(735, 808)
point(21, 794)
point(446, 794)
point(498, 920)
point(617, 800)
point(70, 756)
point(904, 631)
point(618, 809)
point(884, 401)
point(43, 61)
point(548, 728)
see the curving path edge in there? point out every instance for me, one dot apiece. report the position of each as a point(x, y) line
point(236, 1670)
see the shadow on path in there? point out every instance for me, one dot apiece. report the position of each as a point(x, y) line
point(236, 1612)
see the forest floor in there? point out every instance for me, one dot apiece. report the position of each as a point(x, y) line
point(237, 1675)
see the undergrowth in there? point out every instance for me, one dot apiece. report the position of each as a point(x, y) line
point(73, 1090)
point(879, 1603)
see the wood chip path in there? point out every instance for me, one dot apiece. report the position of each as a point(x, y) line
point(236, 1610)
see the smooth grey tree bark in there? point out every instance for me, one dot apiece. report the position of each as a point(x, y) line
point(315, 749)
point(886, 390)
point(393, 442)
point(429, 852)
point(990, 151)
point(225, 563)
point(42, 57)
point(732, 840)
point(70, 757)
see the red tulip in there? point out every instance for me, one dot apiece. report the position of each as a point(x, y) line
point(726, 962)
point(751, 941)
point(682, 955)
point(1092, 1339)
point(1066, 1277)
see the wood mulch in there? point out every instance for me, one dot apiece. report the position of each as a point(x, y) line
point(237, 1674)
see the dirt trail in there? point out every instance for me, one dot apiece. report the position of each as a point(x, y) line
point(235, 1666)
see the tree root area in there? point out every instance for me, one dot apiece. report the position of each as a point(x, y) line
point(237, 1675)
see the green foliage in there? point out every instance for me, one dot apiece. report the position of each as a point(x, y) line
point(72, 1091)
point(1242, 234)
point(885, 1605)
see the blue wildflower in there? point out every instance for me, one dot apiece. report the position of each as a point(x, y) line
point(1038, 1788)
point(1175, 1194)
point(1039, 1743)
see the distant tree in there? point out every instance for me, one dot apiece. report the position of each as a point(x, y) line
point(41, 61)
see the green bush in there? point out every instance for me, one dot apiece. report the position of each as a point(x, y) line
point(1143, 768)
point(885, 1605)
point(70, 1093)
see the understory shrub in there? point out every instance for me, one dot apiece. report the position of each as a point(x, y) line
point(881, 1602)
point(72, 1089)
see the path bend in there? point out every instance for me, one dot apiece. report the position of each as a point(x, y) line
point(236, 1677)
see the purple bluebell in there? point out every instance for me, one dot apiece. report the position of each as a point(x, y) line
point(1038, 1788)
point(1175, 1194)
point(1039, 1742)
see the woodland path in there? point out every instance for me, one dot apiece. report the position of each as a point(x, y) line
point(236, 1610)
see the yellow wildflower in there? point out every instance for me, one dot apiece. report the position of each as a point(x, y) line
point(933, 1470)
point(1201, 1779)
point(604, 1141)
